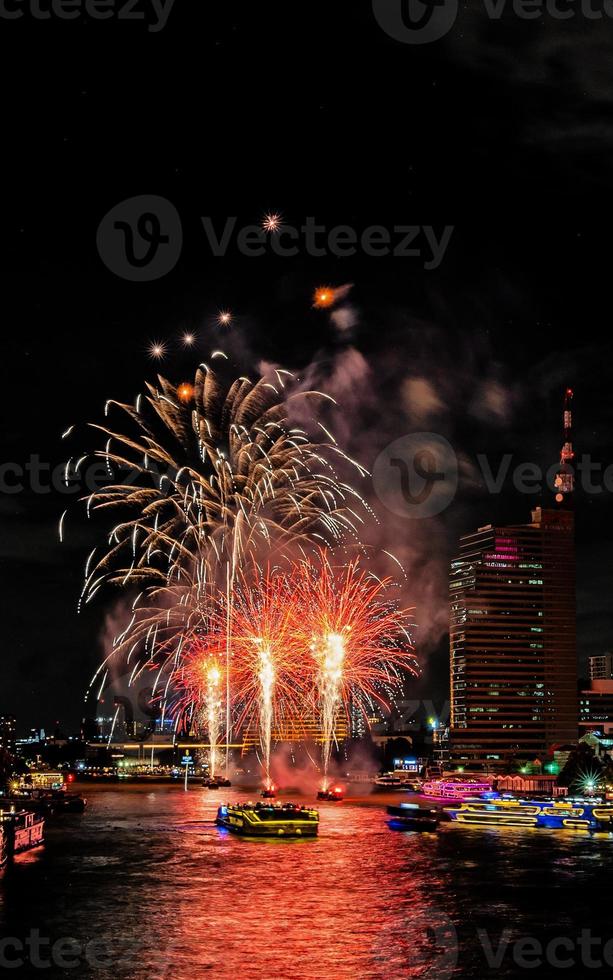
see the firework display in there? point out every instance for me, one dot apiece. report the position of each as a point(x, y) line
point(233, 534)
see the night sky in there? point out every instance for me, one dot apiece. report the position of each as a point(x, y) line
point(501, 130)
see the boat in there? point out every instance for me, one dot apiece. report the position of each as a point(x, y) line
point(44, 802)
point(23, 829)
point(559, 813)
point(399, 780)
point(455, 789)
point(62, 802)
point(214, 782)
point(335, 795)
point(268, 819)
point(412, 816)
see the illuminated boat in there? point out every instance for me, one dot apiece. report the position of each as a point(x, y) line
point(412, 816)
point(268, 819)
point(269, 793)
point(23, 830)
point(455, 789)
point(331, 795)
point(554, 814)
point(399, 780)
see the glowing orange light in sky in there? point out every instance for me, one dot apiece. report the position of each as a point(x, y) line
point(185, 392)
point(324, 296)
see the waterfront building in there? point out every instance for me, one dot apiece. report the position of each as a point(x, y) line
point(513, 648)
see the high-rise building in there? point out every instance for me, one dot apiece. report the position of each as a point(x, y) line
point(8, 733)
point(513, 645)
point(596, 707)
point(601, 667)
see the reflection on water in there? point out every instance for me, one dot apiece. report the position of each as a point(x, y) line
point(158, 891)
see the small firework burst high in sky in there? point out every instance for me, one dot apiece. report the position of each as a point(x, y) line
point(272, 221)
point(212, 481)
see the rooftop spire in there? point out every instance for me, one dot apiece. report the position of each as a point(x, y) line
point(564, 482)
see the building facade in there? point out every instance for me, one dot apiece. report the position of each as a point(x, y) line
point(513, 644)
point(596, 707)
point(601, 667)
point(8, 733)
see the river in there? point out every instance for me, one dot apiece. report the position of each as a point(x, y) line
point(144, 885)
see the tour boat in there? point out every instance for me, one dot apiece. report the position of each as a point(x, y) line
point(268, 819)
point(455, 789)
point(555, 814)
point(23, 829)
point(412, 816)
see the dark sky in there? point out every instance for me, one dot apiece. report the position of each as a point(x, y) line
point(501, 130)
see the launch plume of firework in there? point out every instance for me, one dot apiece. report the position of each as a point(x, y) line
point(358, 638)
point(196, 695)
point(267, 683)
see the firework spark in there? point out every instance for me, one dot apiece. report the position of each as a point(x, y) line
point(272, 221)
point(185, 392)
point(324, 297)
point(224, 318)
point(157, 350)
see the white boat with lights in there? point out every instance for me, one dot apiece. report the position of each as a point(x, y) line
point(455, 789)
point(559, 813)
point(401, 780)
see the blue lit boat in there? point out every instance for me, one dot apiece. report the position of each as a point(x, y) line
point(412, 816)
point(554, 814)
point(268, 819)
